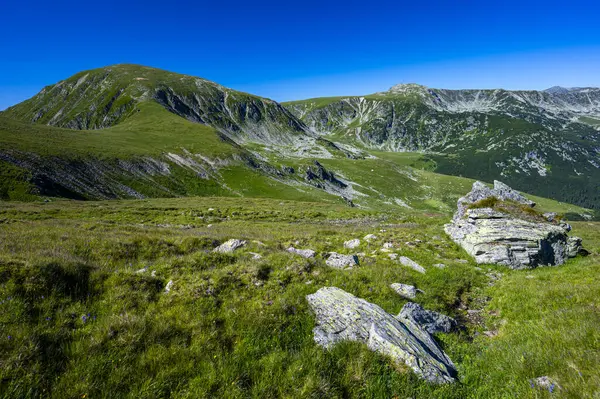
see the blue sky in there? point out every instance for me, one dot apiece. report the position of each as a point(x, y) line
point(293, 50)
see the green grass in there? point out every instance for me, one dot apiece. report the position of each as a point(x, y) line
point(151, 131)
point(76, 319)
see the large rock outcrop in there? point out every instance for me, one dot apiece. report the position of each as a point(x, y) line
point(498, 236)
point(342, 316)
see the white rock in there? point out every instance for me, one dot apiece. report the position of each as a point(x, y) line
point(169, 286)
point(412, 264)
point(351, 244)
point(340, 261)
point(305, 253)
point(370, 237)
point(230, 246)
point(405, 290)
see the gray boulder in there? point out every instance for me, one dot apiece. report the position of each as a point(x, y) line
point(341, 316)
point(491, 236)
point(340, 261)
point(305, 253)
point(230, 246)
point(405, 290)
point(432, 322)
point(412, 264)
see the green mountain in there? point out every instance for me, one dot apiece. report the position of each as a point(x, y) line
point(129, 131)
point(545, 142)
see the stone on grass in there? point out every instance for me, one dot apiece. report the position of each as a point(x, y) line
point(500, 237)
point(432, 322)
point(388, 245)
point(340, 261)
point(305, 253)
point(439, 265)
point(169, 286)
point(405, 290)
point(412, 264)
point(370, 237)
point(341, 316)
point(351, 244)
point(230, 246)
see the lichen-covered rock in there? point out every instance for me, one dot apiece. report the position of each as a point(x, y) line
point(491, 236)
point(305, 253)
point(431, 321)
point(351, 244)
point(342, 316)
point(340, 261)
point(480, 192)
point(412, 264)
point(405, 290)
point(230, 246)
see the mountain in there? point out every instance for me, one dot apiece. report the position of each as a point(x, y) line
point(129, 131)
point(104, 97)
point(544, 142)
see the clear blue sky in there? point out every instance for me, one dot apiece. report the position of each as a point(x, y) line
point(297, 49)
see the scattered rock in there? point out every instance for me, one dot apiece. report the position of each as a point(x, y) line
point(432, 322)
point(491, 236)
point(464, 261)
point(340, 261)
point(256, 256)
point(405, 290)
point(144, 270)
point(305, 253)
point(169, 286)
point(550, 216)
point(388, 245)
point(439, 265)
point(230, 246)
point(370, 237)
point(341, 316)
point(351, 244)
point(545, 382)
point(393, 256)
point(412, 264)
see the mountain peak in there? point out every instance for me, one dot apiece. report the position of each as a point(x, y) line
point(407, 88)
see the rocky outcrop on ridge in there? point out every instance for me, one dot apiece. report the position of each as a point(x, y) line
point(342, 316)
point(496, 236)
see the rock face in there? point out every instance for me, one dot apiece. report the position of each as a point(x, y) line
point(493, 236)
point(230, 246)
point(340, 261)
point(431, 321)
point(305, 253)
point(341, 316)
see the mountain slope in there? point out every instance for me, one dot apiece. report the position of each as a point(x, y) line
point(543, 142)
point(104, 97)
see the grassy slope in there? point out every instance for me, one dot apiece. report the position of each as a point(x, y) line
point(77, 320)
point(151, 131)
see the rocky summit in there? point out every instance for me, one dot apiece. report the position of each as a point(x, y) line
point(342, 316)
point(498, 225)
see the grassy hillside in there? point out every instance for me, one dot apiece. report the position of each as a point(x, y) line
point(79, 319)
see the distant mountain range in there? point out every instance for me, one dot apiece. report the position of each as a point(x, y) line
point(543, 142)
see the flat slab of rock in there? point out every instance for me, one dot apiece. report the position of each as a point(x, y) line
point(341, 316)
point(405, 290)
point(351, 244)
point(340, 261)
point(491, 236)
point(230, 246)
point(408, 262)
point(431, 321)
point(305, 253)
